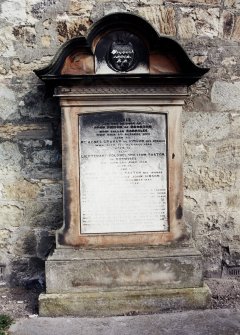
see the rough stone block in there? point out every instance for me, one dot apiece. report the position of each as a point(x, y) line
point(26, 131)
point(230, 3)
point(209, 179)
point(206, 127)
point(226, 95)
point(10, 211)
point(122, 302)
point(13, 11)
point(9, 152)
point(204, 22)
point(236, 31)
point(228, 155)
point(8, 103)
point(227, 24)
point(80, 7)
point(4, 238)
point(47, 214)
point(187, 28)
point(21, 190)
point(162, 18)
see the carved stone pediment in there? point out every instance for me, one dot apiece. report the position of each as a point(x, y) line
point(122, 44)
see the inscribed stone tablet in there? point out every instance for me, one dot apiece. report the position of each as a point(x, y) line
point(123, 172)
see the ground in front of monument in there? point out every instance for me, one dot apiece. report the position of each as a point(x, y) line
point(201, 322)
point(23, 304)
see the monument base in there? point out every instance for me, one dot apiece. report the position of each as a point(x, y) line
point(123, 302)
point(117, 281)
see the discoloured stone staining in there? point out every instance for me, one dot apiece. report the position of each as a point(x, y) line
point(30, 166)
point(26, 35)
point(75, 27)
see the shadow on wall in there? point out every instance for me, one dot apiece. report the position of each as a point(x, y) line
point(37, 187)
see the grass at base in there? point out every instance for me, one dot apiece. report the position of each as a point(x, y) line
point(5, 322)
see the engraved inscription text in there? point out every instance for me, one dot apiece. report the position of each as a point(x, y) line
point(123, 172)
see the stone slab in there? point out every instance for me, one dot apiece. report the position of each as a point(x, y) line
point(123, 172)
point(214, 322)
point(89, 270)
point(123, 302)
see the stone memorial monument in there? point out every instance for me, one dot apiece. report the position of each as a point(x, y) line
point(124, 246)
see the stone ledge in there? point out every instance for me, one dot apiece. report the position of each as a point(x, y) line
point(69, 253)
point(117, 302)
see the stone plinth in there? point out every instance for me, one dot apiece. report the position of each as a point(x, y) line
point(101, 282)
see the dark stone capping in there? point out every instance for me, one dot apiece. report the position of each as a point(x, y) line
point(106, 79)
point(183, 70)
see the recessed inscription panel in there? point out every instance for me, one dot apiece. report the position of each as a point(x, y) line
point(123, 172)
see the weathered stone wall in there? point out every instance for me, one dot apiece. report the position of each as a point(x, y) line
point(31, 32)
